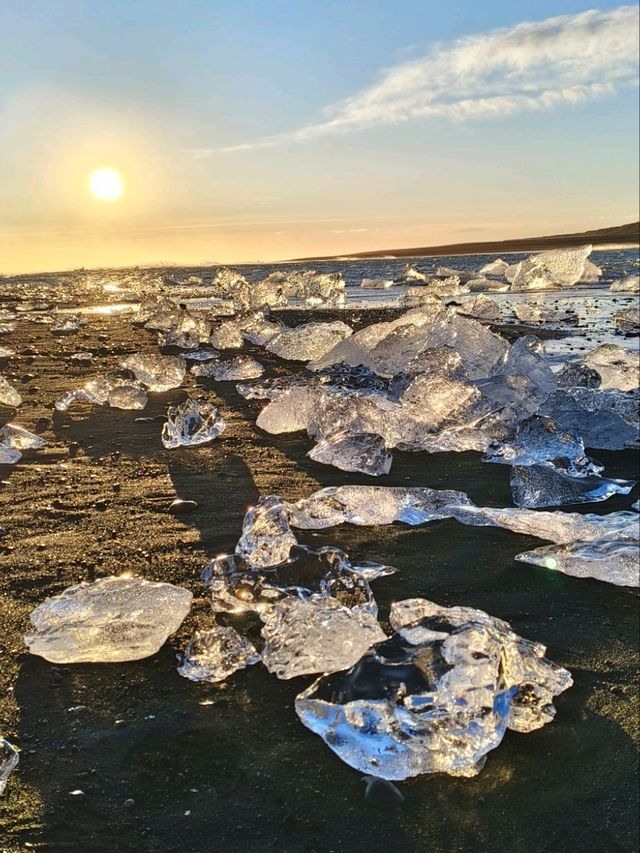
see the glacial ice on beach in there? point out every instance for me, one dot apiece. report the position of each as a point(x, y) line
point(266, 538)
point(309, 341)
point(542, 485)
point(227, 335)
point(316, 634)
point(215, 654)
point(361, 452)
point(534, 312)
point(377, 283)
point(241, 367)
point(627, 320)
point(9, 759)
point(67, 324)
point(630, 284)
point(481, 307)
point(436, 697)
point(110, 620)
point(613, 560)
point(8, 395)
point(5, 352)
point(606, 420)
point(157, 372)
point(186, 331)
point(14, 439)
point(199, 355)
point(619, 369)
point(411, 273)
point(190, 423)
point(497, 268)
point(555, 268)
point(110, 389)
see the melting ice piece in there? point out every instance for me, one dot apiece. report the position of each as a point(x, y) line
point(497, 268)
point(227, 336)
point(539, 441)
point(241, 367)
point(481, 307)
point(266, 536)
point(577, 375)
point(236, 587)
point(8, 762)
point(618, 368)
point(613, 560)
point(190, 423)
point(110, 620)
point(8, 394)
point(215, 654)
point(630, 284)
point(412, 274)
point(67, 325)
point(606, 420)
point(436, 697)
point(317, 634)
point(157, 372)
point(112, 390)
point(556, 268)
point(627, 320)
point(373, 505)
point(186, 331)
point(377, 283)
point(204, 354)
point(13, 440)
point(540, 485)
point(364, 452)
point(537, 313)
point(311, 340)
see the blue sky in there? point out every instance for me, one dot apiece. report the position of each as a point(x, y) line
point(248, 130)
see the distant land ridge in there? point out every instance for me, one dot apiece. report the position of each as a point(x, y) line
point(617, 235)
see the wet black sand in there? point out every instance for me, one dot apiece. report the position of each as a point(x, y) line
point(230, 768)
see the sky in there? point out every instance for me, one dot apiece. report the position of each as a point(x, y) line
point(248, 130)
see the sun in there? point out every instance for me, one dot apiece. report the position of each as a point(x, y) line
point(106, 184)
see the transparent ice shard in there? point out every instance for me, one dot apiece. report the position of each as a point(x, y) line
point(186, 331)
point(110, 620)
point(215, 654)
point(67, 324)
point(13, 440)
point(363, 452)
point(190, 423)
point(227, 336)
point(372, 505)
point(241, 367)
point(627, 320)
point(535, 312)
point(204, 354)
point(618, 368)
point(590, 273)
point(436, 697)
point(316, 634)
point(109, 390)
point(449, 272)
point(630, 284)
point(613, 560)
point(237, 587)
point(411, 273)
point(606, 420)
point(309, 341)
point(157, 372)
point(377, 283)
point(556, 268)
point(266, 536)
point(481, 307)
point(496, 268)
point(541, 485)
point(8, 395)
point(8, 762)
point(495, 285)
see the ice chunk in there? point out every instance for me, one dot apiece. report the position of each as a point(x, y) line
point(573, 375)
point(241, 367)
point(613, 560)
point(236, 587)
point(215, 654)
point(186, 331)
point(541, 485)
point(372, 505)
point(630, 284)
point(497, 268)
point(204, 354)
point(449, 272)
point(5, 352)
point(67, 325)
point(536, 312)
point(317, 634)
point(436, 697)
point(190, 423)
point(157, 372)
point(8, 394)
point(556, 268)
point(309, 341)
point(476, 285)
point(618, 368)
point(481, 307)
point(363, 452)
point(627, 320)
point(412, 274)
point(8, 762)
point(377, 283)
point(606, 420)
point(227, 336)
point(110, 389)
point(109, 620)
point(539, 441)
point(266, 536)
point(13, 440)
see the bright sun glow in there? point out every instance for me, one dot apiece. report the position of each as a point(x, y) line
point(106, 184)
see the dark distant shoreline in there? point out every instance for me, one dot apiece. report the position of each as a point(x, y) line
point(620, 235)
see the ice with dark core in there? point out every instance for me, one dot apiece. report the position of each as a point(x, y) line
point(542, 485)
point(190, 423)
point(436, 697)
point(109, 620)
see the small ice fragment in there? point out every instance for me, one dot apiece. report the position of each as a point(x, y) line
point(227, 336)
point(112, 390)
point(364, 452)
point(541, 485)
point(5, 352)
point(610, 559)
point(67, 325)
point(630, 284)
point(8, 394)
point(377, 283)
point(204, 354)
point(190, 423)
point(304, 637)
point(412, 274)
point(618, 368)
point(112, 619)
point(215, 654)
point(481, 307)
point(14, 439)
point(241, 367)
point(496, 268)
point(266, 536)
point(157, 372)
point(8, 761)
point(309, 341)
point(534, 312)
point(627, 320)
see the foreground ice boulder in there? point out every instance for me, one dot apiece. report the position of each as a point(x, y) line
point(190, 423)
point(556, 268)
point(618, 369)
point(436, 697)
point(233, 370)
point(215, 654)
point(110, 620)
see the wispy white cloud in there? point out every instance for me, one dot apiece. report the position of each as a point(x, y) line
point(533, 66)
